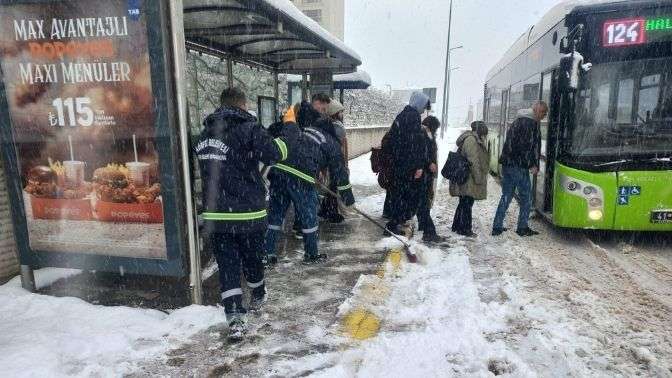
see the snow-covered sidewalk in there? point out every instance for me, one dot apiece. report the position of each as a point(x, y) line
point(45, 336)
point(560, 304)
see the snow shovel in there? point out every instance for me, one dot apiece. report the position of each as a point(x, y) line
point(412, 257)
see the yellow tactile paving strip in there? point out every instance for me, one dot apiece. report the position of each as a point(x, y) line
point(360, 323)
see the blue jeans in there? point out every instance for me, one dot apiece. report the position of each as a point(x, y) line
point(284, 191)
point(515, 179)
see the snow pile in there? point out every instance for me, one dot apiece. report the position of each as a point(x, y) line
point(433, 322)
point(48, 336)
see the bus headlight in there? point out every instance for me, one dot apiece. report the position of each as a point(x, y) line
point(589, 192)
point(595, 215)
point(595, 202)
point(573, 185)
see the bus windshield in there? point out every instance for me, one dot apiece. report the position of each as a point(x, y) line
point(624, 110)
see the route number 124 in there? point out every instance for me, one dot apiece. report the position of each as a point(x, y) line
point(624, 32)
point(72, 112)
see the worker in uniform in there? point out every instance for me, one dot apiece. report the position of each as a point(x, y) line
point(312, 149)
point(229, 151)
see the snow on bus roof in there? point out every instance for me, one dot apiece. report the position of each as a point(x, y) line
point(532, 34)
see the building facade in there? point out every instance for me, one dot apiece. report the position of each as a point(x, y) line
point(330, 14)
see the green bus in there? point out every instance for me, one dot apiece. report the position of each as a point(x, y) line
point(606, 154)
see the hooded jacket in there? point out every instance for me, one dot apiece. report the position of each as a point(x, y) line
point(312, 149)
point(229, 151)
point(406, 141)
point(473, 148)
point(523, 142)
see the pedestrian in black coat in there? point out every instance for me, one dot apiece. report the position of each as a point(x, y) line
point(407, 146)
point(425, 223)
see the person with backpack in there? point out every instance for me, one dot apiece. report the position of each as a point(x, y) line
point(473, 146)
point(406, 145)
point(519, 159)
point(425, 223)
point(312, 149)
point(229, 151)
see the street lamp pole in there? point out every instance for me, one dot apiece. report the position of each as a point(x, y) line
point(446, 81)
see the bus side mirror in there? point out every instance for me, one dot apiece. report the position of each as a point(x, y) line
point(566, 73)
point(571, 67)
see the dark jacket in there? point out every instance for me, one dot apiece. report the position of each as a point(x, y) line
point(307, 115)
point(406, 144)
point(523, 143)
point(432, 149)
point(229, 151)
point(312, 150)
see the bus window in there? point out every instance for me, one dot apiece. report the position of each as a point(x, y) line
point(494, 110)
point(601, 104)
point(648, 96)
point(516, 102)
point(664, 109)
point(624, 101)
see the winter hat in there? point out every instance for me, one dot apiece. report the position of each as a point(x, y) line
point(334, 108)
point(419, 101)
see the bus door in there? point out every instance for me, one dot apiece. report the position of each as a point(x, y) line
point(502, 127)
point(549, 126)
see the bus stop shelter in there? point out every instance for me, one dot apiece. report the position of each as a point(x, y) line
point(272, 35)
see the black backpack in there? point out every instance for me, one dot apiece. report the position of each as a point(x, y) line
point(456, 168)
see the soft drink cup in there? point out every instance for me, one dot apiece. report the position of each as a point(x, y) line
point(138, 172)
point(74, 173)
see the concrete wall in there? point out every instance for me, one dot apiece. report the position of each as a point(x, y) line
point(9, 265)
point(362, 139)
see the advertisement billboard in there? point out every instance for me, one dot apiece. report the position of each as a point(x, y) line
point(85, 100)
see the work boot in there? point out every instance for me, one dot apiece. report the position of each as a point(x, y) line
point(498, 231)
point(237, 326)
point(526, 232)
point(317, 259)
point(259, 297)
point(469, 234)
point(433, 239)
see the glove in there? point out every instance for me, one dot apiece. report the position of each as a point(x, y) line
point(347, 197)
point(290, 116)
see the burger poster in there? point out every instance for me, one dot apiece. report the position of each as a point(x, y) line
point(78, 88)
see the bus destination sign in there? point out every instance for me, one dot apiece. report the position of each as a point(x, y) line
point(636, 31)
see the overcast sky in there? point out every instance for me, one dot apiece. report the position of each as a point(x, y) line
point(403, 42)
